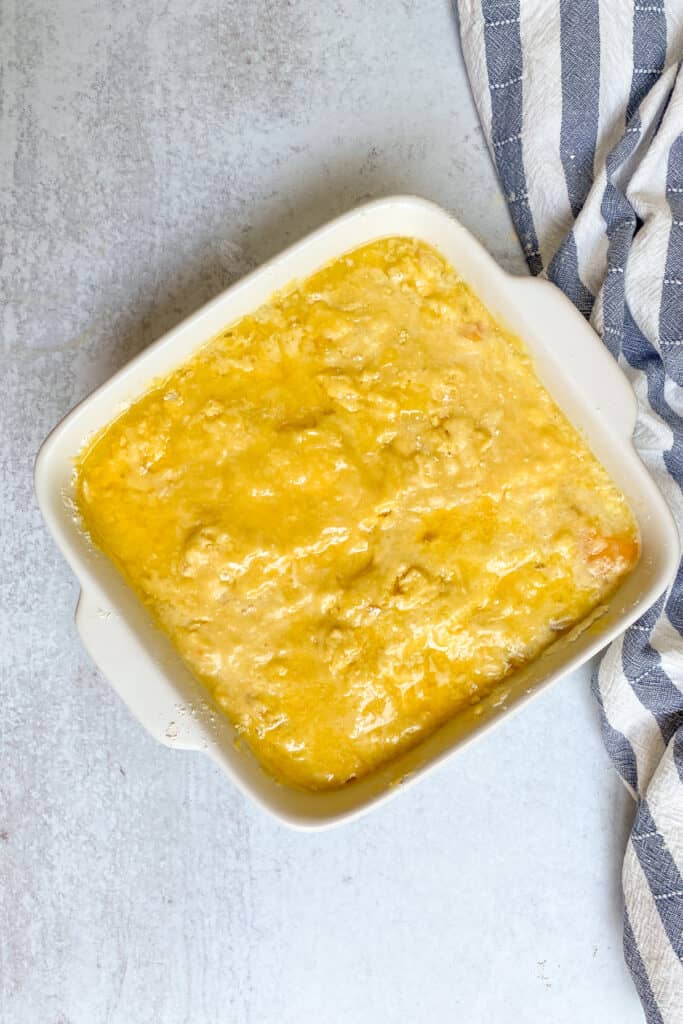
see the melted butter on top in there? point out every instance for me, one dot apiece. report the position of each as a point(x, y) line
point(355, 512)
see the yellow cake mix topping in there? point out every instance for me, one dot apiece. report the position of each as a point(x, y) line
point(356, 511)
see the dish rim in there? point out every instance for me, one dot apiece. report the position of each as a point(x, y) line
point(108, 631)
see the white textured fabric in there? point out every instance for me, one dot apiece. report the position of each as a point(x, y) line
point(582, 105)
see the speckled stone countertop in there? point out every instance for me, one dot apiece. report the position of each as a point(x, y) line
point(151, 154)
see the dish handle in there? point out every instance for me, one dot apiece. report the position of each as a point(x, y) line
point(600, 378)
point(137, 678)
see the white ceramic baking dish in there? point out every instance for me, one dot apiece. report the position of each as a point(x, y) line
point(573, 364)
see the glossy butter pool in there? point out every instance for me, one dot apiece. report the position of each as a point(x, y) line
point(356, 511)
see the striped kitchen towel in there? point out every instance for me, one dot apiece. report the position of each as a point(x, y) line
point(581, 102)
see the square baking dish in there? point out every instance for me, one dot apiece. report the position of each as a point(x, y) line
point(572, 363)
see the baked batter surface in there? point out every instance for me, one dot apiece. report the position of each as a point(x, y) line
point(355, 512)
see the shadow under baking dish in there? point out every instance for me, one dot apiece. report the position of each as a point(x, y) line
point(572, 364)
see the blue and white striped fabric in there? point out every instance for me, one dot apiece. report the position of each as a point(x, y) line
point(582, 105)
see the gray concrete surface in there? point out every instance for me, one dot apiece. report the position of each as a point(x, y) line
point(150, 154)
